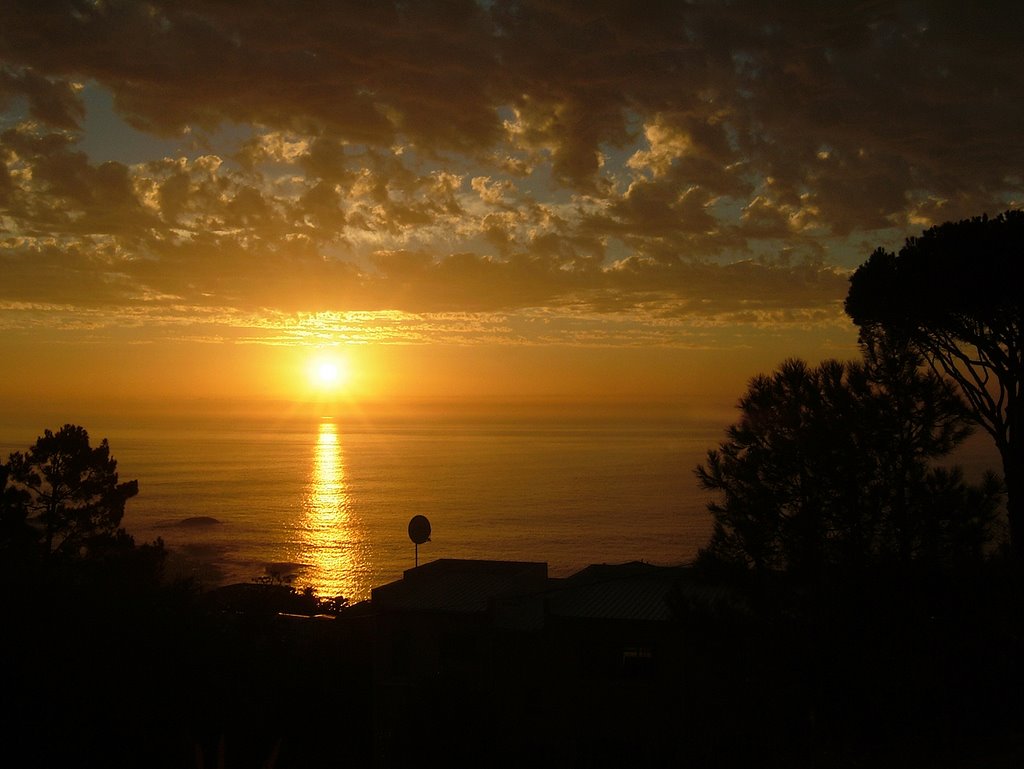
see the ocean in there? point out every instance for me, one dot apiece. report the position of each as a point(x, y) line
point(325, 502)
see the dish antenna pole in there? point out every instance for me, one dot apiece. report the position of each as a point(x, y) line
point(419, 532)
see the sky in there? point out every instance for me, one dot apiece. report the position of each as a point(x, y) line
point(501, 202)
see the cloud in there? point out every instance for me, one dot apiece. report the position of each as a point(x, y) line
point(55, 102)
point(584, 159)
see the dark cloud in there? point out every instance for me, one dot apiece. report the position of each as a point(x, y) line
point(50, 101)
point(936, 85)
point(464, 156)
point(362, 71)
point(55, 192)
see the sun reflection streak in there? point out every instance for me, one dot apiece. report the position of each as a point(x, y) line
point(332, 544)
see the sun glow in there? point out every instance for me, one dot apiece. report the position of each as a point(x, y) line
point(329, 373)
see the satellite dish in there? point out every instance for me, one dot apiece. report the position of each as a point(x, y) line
point(419, 529)
point(419, 532)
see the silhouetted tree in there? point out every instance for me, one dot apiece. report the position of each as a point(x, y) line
point(828, 468)
point(67, 492)
point(956, 294)
point(16, 536)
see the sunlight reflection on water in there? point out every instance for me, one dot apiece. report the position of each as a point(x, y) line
point(332, 543)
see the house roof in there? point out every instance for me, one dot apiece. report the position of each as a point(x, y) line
point(520, 595)
point(455, 585)
point(629, 591)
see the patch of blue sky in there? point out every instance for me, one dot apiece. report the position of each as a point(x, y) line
point(15, 112)
point(106, 136)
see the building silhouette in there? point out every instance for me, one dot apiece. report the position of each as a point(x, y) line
point(494, 663)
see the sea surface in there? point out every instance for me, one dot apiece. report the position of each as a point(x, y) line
point(326, 502)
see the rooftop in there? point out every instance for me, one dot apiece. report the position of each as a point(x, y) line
point(455, 585)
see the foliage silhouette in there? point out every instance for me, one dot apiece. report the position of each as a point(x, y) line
point(828, 469)
point(68, 492)
point(955, 294)
point(17, 538)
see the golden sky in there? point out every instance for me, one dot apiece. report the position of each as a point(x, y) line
point(474, 200)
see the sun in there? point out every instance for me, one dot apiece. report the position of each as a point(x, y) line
point(329, 373)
